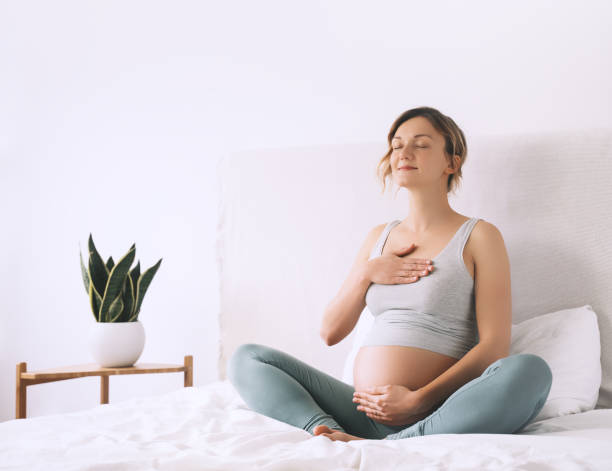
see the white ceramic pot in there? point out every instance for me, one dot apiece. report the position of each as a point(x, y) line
point(115, 344)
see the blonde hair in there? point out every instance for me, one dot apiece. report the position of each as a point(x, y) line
point(454, 144)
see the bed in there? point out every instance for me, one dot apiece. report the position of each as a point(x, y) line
point(209, 428)
point(289, 223)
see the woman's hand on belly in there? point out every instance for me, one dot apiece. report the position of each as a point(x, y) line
point(391, 404)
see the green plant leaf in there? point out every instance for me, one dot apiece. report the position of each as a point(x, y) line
point(95, 301)
point(84, 274)
point(97, 270)
point(110, 264)
point(116, 281)
point(116, 309)
point(143, 285)
point(128, 299)
point(134, 275)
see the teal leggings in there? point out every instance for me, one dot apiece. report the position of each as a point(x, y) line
point(503, 399)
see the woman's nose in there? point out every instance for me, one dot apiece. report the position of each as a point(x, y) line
point(406, 152)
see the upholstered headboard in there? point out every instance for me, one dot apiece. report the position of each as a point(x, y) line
point(291, 221)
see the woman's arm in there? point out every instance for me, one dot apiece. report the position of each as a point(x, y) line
point(342, 313)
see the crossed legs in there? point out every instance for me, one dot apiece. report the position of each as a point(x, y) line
point(504, 399)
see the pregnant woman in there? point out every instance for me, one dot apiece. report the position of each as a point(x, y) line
point(437, 357)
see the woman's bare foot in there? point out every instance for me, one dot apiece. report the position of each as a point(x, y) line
point(333, 434)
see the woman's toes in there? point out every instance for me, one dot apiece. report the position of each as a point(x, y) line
point(319, 429)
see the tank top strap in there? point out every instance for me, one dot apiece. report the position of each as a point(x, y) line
point(466, 230)
point(380, 242)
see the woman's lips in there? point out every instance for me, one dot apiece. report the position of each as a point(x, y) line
point(407, 168)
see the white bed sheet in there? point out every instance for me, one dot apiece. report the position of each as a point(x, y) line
point(210, 427)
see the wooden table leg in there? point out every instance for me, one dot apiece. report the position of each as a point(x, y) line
point(188, 371)
point(20, 392)
point(103, 389)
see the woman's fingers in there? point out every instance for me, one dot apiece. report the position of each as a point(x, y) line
point(371, 409)
point(416, 269)
point(417, 266)
point(368, 411)
point(360, 400)
point(420, 272)
point(365, 400)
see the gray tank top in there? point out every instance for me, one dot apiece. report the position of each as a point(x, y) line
point(436, 312)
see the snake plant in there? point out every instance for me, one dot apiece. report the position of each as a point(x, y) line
point(115, 292)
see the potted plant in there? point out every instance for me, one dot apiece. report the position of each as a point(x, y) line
point(115, 297)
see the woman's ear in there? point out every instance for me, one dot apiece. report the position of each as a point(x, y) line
point(457, 161)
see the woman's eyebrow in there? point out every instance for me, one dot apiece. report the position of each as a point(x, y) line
point(416, 135)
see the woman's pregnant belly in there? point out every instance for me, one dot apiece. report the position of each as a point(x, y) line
point(378, 365)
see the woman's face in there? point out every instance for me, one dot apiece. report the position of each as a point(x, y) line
point(417, 144)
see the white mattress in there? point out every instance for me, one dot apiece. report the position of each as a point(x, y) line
point(210, 427)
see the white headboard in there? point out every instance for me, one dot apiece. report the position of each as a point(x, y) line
point(291, 221)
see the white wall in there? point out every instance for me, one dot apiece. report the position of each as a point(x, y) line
point(113, 116)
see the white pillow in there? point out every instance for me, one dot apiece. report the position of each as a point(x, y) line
point(569, 342)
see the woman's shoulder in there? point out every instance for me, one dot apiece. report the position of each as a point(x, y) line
point(485, 229)
point(484, 237)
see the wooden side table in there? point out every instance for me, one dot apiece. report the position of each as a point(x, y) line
point(25, 378)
